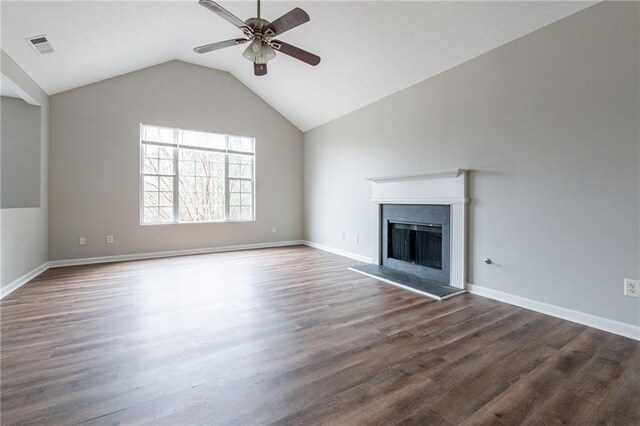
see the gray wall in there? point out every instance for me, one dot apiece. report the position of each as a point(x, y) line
point(94, 160)
point(23, 231)
point(20, 135)
point(549, 124)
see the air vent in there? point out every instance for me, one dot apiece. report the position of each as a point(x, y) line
point(41, 43)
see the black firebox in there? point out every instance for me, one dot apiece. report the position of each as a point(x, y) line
point(417, 244)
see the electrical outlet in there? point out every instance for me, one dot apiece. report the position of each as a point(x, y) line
point(344, 235)
point(109, 239)
point(356, 238)
point(273, 229)
point(632, 288)
point(83, 241)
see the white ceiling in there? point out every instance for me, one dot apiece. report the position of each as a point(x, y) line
point(369, 50)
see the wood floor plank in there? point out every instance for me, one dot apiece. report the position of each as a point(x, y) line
point(291, 336)
point(528, 394)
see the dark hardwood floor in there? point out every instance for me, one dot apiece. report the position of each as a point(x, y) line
point(290, 336)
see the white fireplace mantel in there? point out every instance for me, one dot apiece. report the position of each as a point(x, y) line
point(442, 187)
point(434, 174)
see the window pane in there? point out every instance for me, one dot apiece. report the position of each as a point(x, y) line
point(165, 167)
point(150, 151)
point(158, 215)
point(165, 153)
point(202, 214)
point(166, 214)
point(166, 184)
point(151, 166)
point(151, 214)
point(165, 199)
point(203, 139)
point(234, 213)
point(241, 166)
point(187, 155)
point(240, 213)
point(150, 133)
point(202, 168)
point(245, 213)
point(150, 183)
point(186, 215)
point(217, 169)
point(237, 143)
point(187, 168)
point(159, 134)
point(217, 213)
point(157, 160)
point(240, 200)
point(201, 185)
point(151, 199)
point(158, 204)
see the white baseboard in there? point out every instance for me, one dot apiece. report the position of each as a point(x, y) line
point(616, 327)
point(16, 284)
point(170, 253)
point(339, 252)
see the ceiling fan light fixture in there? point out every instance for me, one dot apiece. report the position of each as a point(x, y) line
point(268, 53)
point(249, 53)
point(259, 52)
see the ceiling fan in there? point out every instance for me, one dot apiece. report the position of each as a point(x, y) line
point(260, 34)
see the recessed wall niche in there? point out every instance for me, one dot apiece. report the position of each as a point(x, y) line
point(20, 151)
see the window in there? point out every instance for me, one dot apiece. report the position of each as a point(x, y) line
point(190, 177)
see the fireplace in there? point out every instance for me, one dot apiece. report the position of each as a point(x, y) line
point(415, 239)
point(419, 232)
point(419, 244)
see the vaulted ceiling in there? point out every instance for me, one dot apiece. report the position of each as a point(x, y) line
point(369, 50)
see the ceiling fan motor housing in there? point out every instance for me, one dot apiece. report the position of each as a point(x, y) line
point(257, 24)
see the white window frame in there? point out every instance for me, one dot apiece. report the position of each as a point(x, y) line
point(176, 176)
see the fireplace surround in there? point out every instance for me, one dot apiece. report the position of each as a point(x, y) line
point(443, 189)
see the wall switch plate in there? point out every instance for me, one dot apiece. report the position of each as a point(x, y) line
point(344, 235)
point(109, 239)
point(273, 229)
point(632, 288)
point(356, 238)
point(83, 241)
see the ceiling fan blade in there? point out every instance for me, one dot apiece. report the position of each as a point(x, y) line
point(219, 45)
point(289, 20)
point(223, 13)
point(259, 69)
point(296, 52)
